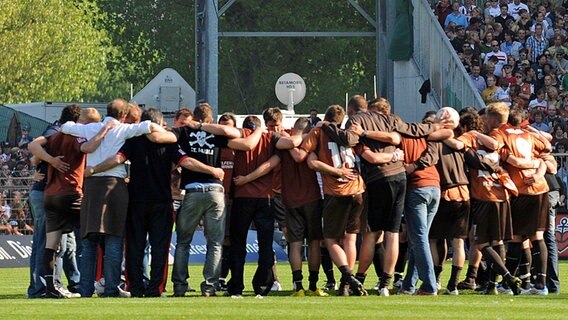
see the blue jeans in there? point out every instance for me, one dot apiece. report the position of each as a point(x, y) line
point(210, 206)
point(420, 208)
point(112, 264)
point(36, 288)
point(66, 261)
point(552, 277)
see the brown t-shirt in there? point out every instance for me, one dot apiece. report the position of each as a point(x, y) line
point(247, 161)
point(521, 144)
point(70, 181)
point(299, 183)
point(334, 155)
point(483, 185)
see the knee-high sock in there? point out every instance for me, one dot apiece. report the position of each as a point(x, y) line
point(379, 258)
point(539, 258)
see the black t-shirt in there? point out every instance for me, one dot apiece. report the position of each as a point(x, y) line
point(202, 146)
point(42, 166)
point(151, 164)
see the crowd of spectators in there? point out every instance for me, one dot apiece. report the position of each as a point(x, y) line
point(16, 178)
point(516, 52)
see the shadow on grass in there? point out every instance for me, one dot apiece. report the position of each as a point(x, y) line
point(12, 296)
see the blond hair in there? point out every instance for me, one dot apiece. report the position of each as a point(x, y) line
point(499, 110)
point(89, 115)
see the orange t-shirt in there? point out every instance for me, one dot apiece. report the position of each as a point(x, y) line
point(334, 155)
point(484, 186)
point(521, 144)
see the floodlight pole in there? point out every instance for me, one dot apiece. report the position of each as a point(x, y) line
point(207, 53)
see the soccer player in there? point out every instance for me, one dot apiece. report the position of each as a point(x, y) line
point(343, 188)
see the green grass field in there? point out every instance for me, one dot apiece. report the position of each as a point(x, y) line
point(14, 305)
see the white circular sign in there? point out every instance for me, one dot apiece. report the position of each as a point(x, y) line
point(290, 89)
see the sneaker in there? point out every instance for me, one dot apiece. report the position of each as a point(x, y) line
point(123, 293)
point(222, 285)
point(236, 296)
point(438, 285)
point(276, 286)
point(449, 292)
point(190, 289)
point(258, 296)
point(330, 286)
point(60, 293)
point(178, 294)
point(466, 285)
point(405, 292)
point(526, 292)
point(100, 287)
point(504, 291)
point(317, 293)
point(356, 286)
point(383, 292)
point(420, 292)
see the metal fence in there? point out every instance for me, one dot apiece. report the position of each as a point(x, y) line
point(15, 189)
point(437, 60)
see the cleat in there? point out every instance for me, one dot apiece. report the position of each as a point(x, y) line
point(383, 292)
point(466, 285)
point(540, 292)
point(178, 295)
point(299, 293)
point(330, 286)
point(504, 291)
point(190, 289)
point(259, 296)
point(527, 292)
point(491, 292)
point(396, 285)
point(438, 285)
point(376, 287)
point(343, 290)
point(123, 293)
point(515, 285)
point(449, 292)
point(236, 296)
point(317, 293)
point(356, 286)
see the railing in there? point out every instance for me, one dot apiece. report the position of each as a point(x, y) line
point(437, 60)
point(15, 188)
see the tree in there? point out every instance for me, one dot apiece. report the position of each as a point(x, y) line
point(51, 50)
point(154, 34)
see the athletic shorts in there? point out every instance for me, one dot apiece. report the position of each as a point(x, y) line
point(279, 212)
point(341, 215)
point(491, 221)
point(529, 214)
point(62, 212)
point(386, 203)
point(365, 215)
point(304, 222)
point(451, 221)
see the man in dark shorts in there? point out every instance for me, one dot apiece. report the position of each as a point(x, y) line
point(529, 209)
point(343, 196)
point(63, 192)
point(490, 208)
